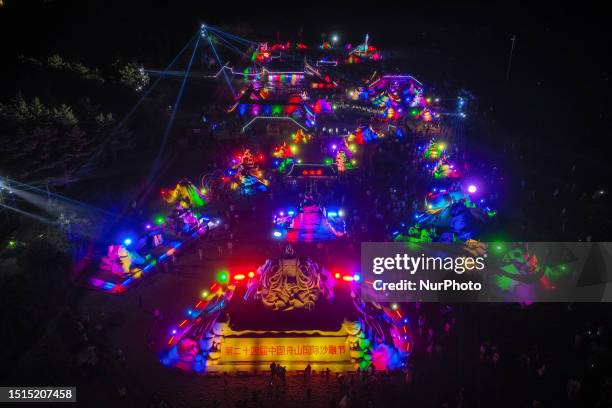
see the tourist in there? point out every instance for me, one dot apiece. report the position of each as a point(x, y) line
point(273, 369)
point(307, 372)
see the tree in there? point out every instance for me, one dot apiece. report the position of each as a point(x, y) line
point(38, 111)
point(79, 68)
point(17, 111)
point(55, 61)
point(104, 121)
point(77, 139)
point(133, 76)
point(64, 116)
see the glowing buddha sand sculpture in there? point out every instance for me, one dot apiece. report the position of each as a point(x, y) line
point(291, 283)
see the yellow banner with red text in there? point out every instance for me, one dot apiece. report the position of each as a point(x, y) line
point(241, 349)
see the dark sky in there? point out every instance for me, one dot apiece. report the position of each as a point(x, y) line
point(131, 26)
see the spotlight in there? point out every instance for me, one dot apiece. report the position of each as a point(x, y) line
point(472, 189)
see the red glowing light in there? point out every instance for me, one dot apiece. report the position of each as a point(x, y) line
point(239, 276)
point(251, 274)
point(337, 275)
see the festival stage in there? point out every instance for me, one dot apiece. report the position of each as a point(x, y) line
point(255, 336)
point(291, 311)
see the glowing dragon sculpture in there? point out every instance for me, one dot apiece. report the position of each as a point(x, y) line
point(185, 195)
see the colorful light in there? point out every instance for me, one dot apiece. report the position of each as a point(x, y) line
point(472, 189)
point(223, 277)
point(498, 247)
